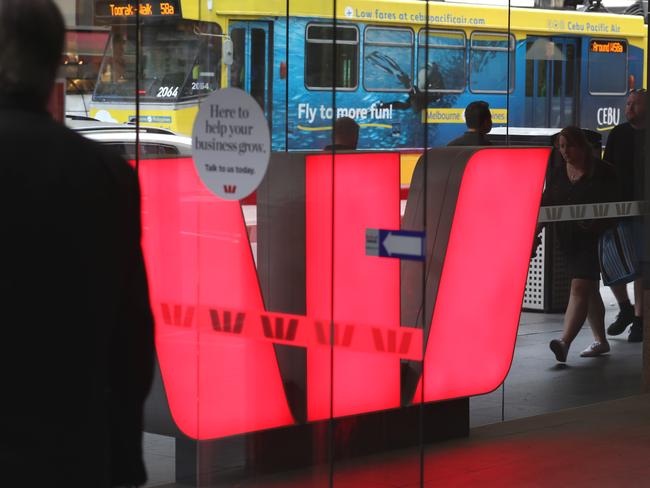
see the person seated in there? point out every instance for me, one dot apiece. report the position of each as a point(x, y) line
point(345, 134)
point(479, 123)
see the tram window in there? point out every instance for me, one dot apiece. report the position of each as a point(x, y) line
point(607, 67)
point(491, 59)
point(205, 74)
point(542, 77)
point(557, 70)
point(238, 66)
point(530, 77)
point(258, 65)
point(117, 75)
point(441, 61)
point(319, 57)
point(169, 55)
point(569, 79)
point(557, 78)
point(388, 59)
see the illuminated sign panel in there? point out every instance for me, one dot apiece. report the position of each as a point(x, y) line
point(614, 47)
point(125, 9)
point(215, 340)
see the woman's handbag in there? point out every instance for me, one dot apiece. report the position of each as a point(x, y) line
point(617, 255)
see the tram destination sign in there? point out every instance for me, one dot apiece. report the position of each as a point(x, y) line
point(127, 9)
point(614, 47)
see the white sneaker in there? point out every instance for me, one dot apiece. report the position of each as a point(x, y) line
point(595, 349)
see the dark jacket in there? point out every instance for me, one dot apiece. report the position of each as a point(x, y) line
point(626, 151)
point(471, 138)
point(77, 330)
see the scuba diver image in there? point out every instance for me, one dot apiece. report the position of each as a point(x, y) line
point(421, 94)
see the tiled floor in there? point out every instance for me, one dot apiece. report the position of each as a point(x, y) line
point(536, 385)
point(562, 449)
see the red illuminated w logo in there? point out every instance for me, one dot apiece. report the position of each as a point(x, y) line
point(219, 364)
point(229, 188)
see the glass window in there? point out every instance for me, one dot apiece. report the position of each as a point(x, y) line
point(441, 61)
point(258, 66)
point(238, 66)
point(488, 62)
point(388, 59)
point(542, 79)
point(158, 150)
point(178, 60)
point(569, 80)
point(558, 65)
point(205, 73)
point(607, 67)
point(84, 50)
point(530, 76)
point(320, 52)
point(147, 150)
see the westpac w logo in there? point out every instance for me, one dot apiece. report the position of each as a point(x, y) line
point(219, 365)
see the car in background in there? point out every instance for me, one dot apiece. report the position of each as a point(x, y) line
point(154, 142)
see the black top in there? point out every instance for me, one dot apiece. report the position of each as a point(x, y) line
point(626, 151)
point(77, 356)
point(471, 138)
point(599, 184)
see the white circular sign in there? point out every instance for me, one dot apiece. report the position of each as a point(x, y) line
point(231, 143)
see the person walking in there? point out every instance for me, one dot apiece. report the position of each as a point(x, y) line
point(77, 345)
point(625, 149)
point(582, 179)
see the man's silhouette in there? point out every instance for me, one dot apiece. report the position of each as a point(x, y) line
point(77, 332)
point(345, 134)
point(479, 123)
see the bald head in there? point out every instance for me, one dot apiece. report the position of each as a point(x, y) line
point(635, 108)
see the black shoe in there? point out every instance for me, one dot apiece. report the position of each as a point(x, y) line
point(636, 331)
point(623, 319)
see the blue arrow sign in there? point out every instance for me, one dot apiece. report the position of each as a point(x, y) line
point(399, 244)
